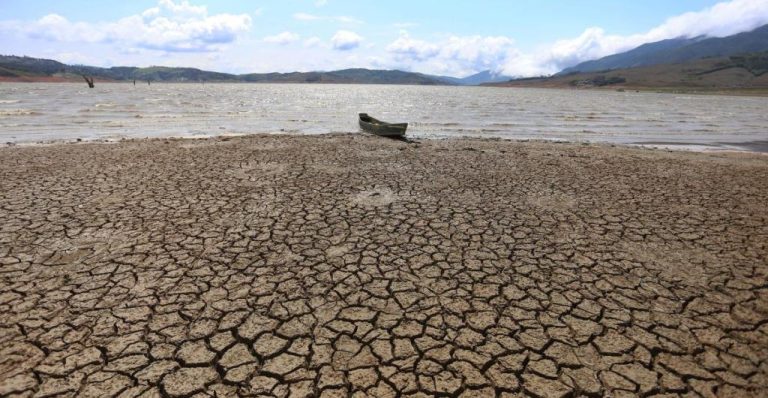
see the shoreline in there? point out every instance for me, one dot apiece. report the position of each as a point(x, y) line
point(750, 147)
point(736, 92)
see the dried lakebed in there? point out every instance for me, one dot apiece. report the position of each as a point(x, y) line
point(347, 265)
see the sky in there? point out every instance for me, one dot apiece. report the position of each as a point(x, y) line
point(456, 38)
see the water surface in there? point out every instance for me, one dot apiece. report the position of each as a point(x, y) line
point(34, 112)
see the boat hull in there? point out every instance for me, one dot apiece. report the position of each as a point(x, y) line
point(384, 129)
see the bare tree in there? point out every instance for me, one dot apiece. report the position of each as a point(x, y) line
point(88, 80)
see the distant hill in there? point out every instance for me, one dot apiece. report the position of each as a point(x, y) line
point(679, 50)
point(349, 76)
point(14, 68)
point(485, 76)
point(738, 72)
point(640, 56)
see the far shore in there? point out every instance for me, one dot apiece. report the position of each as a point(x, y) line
point(740, 91)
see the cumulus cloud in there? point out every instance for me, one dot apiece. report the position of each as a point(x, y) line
point(591, 44)
point(461, 55)
point(478, 51)
point(75, 57)
point(170, 26)
point(722, 19)
point(54, 27)
point(180, 26)
point(183, 10)
point(283, 38)
point(454, 55)
point(313, 42)
point(406, 47)
point(345, 40)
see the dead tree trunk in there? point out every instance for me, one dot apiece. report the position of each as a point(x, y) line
point(88, 80)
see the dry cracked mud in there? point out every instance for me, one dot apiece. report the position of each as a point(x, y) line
point(347, 265)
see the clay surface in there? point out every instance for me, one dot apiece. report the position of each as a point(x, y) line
point(349, 265)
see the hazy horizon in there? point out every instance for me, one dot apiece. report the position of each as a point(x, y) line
point(516, 39)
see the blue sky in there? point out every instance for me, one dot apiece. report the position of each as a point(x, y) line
point(520, 38)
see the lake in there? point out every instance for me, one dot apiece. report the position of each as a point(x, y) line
point(35, 112)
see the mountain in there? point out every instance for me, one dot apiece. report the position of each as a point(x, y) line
point(477, 79)
point(346, 76)
point(485, 76)
point(639, 56)
point(35, 66)
point(744, 73)
point(14, 68)
point(679, 50)
point(28, 68)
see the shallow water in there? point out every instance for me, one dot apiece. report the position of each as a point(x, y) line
point(33, 112)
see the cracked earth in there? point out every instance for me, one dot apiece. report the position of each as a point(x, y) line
point(346, 265)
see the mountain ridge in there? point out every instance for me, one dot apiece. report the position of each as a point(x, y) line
point(486, 76)
point(678, 50)
point(23, 68)
point(747, 73)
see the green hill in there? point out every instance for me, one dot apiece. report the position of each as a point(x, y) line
point(348, 76)
point(14, 68)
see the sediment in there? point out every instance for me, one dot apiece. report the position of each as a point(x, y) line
point(348, 265)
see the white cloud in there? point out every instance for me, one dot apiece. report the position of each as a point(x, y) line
point(76, 58)
point(345, 40)
point(481, 51)
point(313, 42)
point(283, 38)
point(457, 55)
point(181, 10)
point(591, 44)
point(175, 31)
point(54, 27)
point(346, 19)
point(171, 26)
point(303, 16)
point(722, 19)
point(406, 47)
point(460, 55)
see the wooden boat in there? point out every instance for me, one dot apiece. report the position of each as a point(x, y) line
point(384, 129)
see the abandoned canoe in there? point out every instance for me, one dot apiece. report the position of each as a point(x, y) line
point(375, 126)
